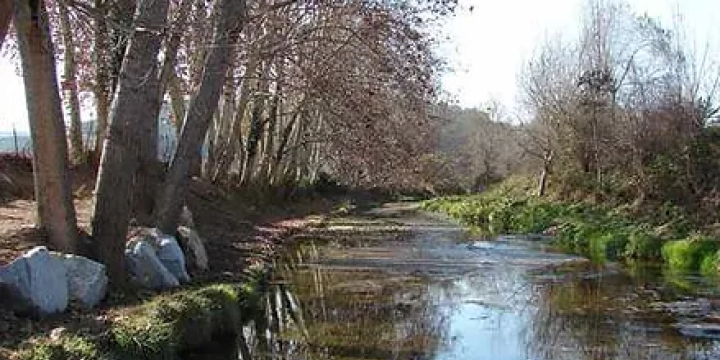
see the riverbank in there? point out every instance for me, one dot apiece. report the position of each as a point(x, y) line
point(599, 232)
point(241, 236)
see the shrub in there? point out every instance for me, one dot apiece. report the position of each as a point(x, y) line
point(643, 245)
point(710, 264)
point(688, 254)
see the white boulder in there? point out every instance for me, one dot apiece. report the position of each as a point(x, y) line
point(172, 256)
point(39, 279)
point(87, 280)
point(145, 267)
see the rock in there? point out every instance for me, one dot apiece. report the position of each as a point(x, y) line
point(39, 280)
point(145, 267)
point(172, 256)
point(57, 333)
point(87, 280)
point(166, 250)
point(195, 252)
point(186, 218)
point(701, 330)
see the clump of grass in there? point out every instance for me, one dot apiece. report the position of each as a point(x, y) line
point(164, 327)
point(694, 253)
point(71, 347)
point(168, 325)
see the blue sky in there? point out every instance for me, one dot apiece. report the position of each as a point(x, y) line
point(486, 46)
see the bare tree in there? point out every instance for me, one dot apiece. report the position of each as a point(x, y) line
point(230, 17)
point(55, 209)
point(137, 91)
point(70, 86)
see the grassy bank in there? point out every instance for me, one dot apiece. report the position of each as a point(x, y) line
point(164, 327)
point(602, 233)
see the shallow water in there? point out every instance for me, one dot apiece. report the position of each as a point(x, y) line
point(403, 285)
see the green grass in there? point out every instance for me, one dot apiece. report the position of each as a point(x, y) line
point(68, 348)
point(598, 232)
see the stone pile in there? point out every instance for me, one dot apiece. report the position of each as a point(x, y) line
point(45, 282)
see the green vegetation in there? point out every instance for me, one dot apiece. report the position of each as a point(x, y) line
point(68, 348)
point(602, 233)
point(163, 327)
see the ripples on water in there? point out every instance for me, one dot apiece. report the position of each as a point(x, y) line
point(431, 296)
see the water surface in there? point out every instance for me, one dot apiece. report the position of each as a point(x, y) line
point(398, 284)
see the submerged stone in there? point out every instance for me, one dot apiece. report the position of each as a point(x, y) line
point(700, 330)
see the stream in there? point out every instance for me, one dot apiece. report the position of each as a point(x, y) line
point(397, 283)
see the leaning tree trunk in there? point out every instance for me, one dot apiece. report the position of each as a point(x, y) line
point(136, 93)
point(6, 11)
point(231, 15)
point(55, 209)
point(77, 151)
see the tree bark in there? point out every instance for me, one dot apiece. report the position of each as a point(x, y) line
point(136, 94)
point(177, 102)
point(120, 20)
point(231, 16)
point(55, 209)
point(149, 173)
point(77, 150)
point(101, 88)
point(6, 11)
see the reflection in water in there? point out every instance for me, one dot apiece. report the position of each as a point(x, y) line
point(351, 314)
point(428, 298)
point(606, 317)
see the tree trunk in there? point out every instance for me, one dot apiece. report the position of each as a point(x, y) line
point(149, 173)
point(6, 11)
point(101, 88)
point(55, 209)
point(231, 15)
point(134, 98)
point(177, 102)
point(120, 19)
point(542, 182)
point(77, 150)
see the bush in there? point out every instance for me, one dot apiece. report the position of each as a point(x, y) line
point(689, 254)
point(710, 264)
point(643, 245)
